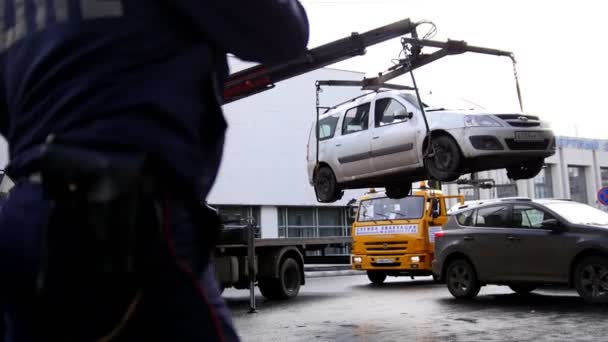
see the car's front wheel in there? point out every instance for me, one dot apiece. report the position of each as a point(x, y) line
point(327, 188)
point(591, 279)
point(525, 170)
point(398, 191)
point(443, 163)
point(522, 289)
point(461, 279)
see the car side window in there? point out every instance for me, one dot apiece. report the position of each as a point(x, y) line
point(529, 217)
point(327, 127)
point(389, 111)
point(356, 119)
point(465, 218)
point(495, 216)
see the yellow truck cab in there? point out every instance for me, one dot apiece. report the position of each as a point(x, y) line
point(396, 237)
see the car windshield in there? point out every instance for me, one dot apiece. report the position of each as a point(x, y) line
point(579, 213)
point(437, 103)
point(384, 208)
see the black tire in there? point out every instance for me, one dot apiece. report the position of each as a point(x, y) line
point(398, 191)
point(327, 188)
point(525, 170)
point(376, 277)
point(522, 289)
point(591, 279)
point(288, 284)
point(445, 160)
point(461, 279)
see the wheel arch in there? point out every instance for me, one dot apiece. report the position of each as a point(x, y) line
point(437, 133)
point(588, 252)
point(271, 260)
point(453, 256)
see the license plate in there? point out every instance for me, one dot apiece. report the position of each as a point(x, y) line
point(529, 136)
point(384, 261)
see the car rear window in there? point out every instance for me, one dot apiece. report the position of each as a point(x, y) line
point(327, 127)
point(465, 218)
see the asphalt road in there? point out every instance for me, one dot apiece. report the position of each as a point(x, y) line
point(349, 308)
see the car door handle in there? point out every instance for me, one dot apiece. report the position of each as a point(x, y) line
point(513, 238)
point(468, 238)
point(338, 145)
point(376, 137)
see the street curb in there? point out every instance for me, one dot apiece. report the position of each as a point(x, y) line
point(319, 274)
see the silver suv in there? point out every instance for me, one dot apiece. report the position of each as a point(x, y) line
point(379, 140)
point(524, 243)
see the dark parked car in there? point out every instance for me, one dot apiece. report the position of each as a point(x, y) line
point(524, 243)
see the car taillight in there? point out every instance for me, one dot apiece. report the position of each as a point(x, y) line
point(439, 234)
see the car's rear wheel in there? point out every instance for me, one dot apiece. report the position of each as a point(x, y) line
point(376, 277)
point(327, 188)
point(398, 191)
point(591, 279)
point(461, 279)
point(443, 163)
point(525, 170)
point(522, 289)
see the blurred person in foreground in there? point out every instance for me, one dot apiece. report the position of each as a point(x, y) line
point(112, 112)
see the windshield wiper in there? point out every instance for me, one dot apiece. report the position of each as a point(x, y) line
point(434, 109)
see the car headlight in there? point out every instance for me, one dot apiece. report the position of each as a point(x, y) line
point(357, 260)
point(480, 121)
point(415, 259)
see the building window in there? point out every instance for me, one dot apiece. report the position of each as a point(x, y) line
point(578, 184)
point(314, 222)
point(237, 216)
point(604, 174)
point(506, 190)
point(543, 183)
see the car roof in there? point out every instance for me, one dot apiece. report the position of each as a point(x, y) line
point(468, 205)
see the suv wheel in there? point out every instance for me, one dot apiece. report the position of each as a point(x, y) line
point(462, 279)
point(326, 186)
point(376, 277)
point(522, 289)
point(525, 170)
point(398, 191)
point(444, 162)
point(591, 279)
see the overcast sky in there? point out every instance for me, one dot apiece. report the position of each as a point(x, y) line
point(560, 47)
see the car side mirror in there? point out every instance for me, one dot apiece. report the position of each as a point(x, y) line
point(553, 224)
point(403, 114)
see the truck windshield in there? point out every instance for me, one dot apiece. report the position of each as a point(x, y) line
point(377, 209)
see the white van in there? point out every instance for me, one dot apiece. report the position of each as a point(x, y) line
point(380, 140)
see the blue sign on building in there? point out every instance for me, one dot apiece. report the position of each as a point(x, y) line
point(582, 143)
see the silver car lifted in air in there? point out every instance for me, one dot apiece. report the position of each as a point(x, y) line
point(380, 140)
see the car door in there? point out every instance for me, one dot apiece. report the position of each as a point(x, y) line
point(486, 242)
point(393, 144)
point(539, 253)
point(353, 146)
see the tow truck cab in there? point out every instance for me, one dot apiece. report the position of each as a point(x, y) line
point(396, 237)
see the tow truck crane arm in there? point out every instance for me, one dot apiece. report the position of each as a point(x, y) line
point(260, 78)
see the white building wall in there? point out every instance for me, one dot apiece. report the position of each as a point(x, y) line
point(265, 152)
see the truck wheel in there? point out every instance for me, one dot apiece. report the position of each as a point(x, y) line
point(462, 280)
point(326, 186)
point(522, 289)
point(591, 279)
point(525, 170)
point(376, 277)
point(444, 163)
point(287, 285)
point(398, 191)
